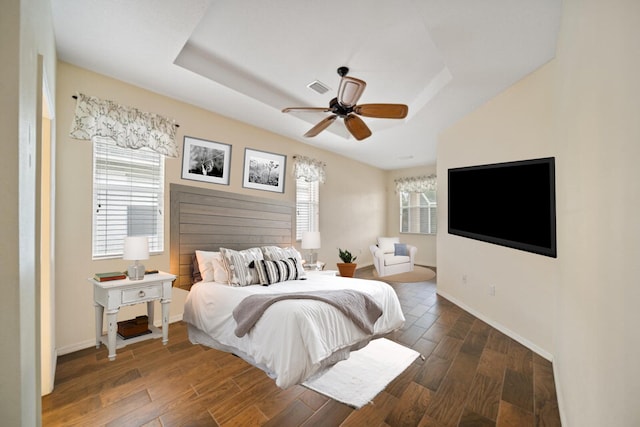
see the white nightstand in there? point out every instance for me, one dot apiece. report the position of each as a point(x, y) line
point(321, 272)
point(111, 295)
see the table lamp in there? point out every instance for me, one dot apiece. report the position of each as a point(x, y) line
point(311, 240)
point(136, 248)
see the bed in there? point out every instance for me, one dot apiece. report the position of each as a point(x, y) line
point(293, 339)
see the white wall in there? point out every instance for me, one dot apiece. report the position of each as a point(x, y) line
point(597, 107)
point(352, 211)
point(46, 285)
point(516, 125)
point(27, 35)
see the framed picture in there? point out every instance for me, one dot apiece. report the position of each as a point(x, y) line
point(206, 161)
point(264, 171)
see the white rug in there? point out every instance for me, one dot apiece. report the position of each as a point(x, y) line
point(357, 380)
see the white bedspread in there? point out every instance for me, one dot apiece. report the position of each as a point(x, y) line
point(294, 338)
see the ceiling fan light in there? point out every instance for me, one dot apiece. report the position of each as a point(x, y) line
point(350, 91)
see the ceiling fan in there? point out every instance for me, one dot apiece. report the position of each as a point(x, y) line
point(345, 106)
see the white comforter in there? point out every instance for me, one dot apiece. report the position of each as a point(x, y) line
point(294, 338)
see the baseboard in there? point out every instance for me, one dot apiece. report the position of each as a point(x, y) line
point(76, 347)
point(525, 342)
point(92, 342)
point(559, 396)
point(173, 319)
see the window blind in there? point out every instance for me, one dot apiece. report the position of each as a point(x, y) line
point(128, 197)
point(418, 212)
point(307, 207)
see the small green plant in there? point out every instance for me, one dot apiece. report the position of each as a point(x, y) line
point(346, 256)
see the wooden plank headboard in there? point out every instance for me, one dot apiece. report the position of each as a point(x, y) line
point(205, 219)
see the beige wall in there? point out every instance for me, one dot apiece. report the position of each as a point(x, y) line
point(10, 392)
point(516, 125)
point(597, 103)
point(580, 308)
point(353, 198)
point(26, 47)
point(426, 244)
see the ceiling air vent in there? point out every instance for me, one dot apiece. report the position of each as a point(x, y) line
point(318, 86)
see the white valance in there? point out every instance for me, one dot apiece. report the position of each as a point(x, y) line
point(417, 184)
point(127, 126)
point(309, 169)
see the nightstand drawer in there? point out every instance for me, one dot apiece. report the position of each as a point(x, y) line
point(141, 294)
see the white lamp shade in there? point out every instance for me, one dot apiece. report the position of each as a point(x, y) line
point(311, 240)
point(136, 248)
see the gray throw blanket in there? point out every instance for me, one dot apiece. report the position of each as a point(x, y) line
point(358, 307)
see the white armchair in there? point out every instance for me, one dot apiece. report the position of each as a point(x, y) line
point(392, 257)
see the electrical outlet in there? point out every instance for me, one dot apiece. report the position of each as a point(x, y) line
point(492, 290)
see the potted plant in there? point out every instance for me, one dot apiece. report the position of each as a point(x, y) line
point(347, 267)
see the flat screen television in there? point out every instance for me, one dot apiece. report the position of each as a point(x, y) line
point(511, 204)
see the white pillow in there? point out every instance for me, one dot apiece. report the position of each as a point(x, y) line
point(387, 244)
point(275, 253)
point(239, 265)
point(212, 268)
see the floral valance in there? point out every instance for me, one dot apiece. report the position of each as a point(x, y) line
point(417, 184)
point(127, 126)
point(309, 169)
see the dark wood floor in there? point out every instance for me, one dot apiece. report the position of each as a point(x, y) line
point(472, 375)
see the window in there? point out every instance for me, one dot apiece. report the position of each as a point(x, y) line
point(307, 206)
point(309, 175)
point(418, 212)
point(128, 197)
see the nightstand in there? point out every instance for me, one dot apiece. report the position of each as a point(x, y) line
point(321, 272)
point(113, 294)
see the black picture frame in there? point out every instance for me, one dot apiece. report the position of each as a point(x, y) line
point(206, 161)
point(264, 170)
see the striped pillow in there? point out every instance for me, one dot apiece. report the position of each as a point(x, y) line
point(275, 253)
point(271, 272)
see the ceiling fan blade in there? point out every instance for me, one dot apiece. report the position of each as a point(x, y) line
point(291, 109)
point(350, 91)
point(322, 125)
point(382, 111)
point(357, 127)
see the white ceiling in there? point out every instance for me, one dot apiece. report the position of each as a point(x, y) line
point(249, 59)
